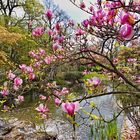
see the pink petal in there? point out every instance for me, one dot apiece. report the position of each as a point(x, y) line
point(77, 106)
point(63, 107)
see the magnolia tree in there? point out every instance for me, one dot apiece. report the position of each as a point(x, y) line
point(106, 44)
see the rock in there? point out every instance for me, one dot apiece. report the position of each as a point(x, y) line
point(20, 130)
point(52, 131)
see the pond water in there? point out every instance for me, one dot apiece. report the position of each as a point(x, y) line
point(106, 104)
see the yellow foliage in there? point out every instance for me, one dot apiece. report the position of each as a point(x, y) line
point(9, 37)
point(4, 59)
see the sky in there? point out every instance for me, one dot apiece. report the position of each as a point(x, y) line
point(75, 13)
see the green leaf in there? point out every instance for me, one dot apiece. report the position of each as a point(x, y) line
point(3, 101)
point(92, 104)
point(94, 117)
point(94, 74)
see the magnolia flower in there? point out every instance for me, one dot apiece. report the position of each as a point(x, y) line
point(57, 47)
point(131, 60)
point(41, 51)
point(42, 97)
point(48, 60)
point(61, 39)
point(94, 81)
point(71, 23)
point(50, 32)
point(29, 69)
point(57, 26)
point(91, 8)
point(64, 91)
point(61, 92)
point(49, 14)
point(82, 5)
point(38, 31)
point(85, 23)
point(5, 108)
point(19, 99)
point(37, 64)
point(31, 76)
point(57, 101)
point(15, 87)
point(32, 54)
point(18, 81)
point(85, 72)
point(70, 108)
point(4, 92)
point(79, 32)
point(11, 75)
point(126, 18)
point(42, 109)
point(30, 23)
point(126, 31)
point(115, 60)
point(137, 80)
point(22, 67)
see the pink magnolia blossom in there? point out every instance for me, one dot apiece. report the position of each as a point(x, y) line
point(94, 81)
point(18, 81)
point(42, 109)
point(61, 39)
point(57, 47)
point(6, 108)
point(137, 79)
point(79, 32)
point(126, 18)
point(23, 67)
point(56, 92)
point(49, 14)
point(60, 56)
point(50, 32)
point(19, 99)
point(126, 31)
point(55, 38)
point(85, 23)
point(32, 54)
point(85, 72)
point(112, 4)
point(82, 5)
point(37, 64)
point(71, 23)
point(41, 51)
point(100, 16)
point(11, 75)
point(29, 69)
point(31, 76)
point(30, 23)
point(64, 91)
point(57, 26)
point(4, 92)
point(70, 108)
point(48, 60)
point(57, 101)
point(61, 92)
point(39, 31)
point(42, 97)
point(91, 8)
point(15, 87)
point(131, 60)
